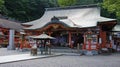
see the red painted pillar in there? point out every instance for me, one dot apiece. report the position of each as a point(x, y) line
point(21, 44)
point(84, 45)
point(89, 44)
point(103, 38)
point(70, 40)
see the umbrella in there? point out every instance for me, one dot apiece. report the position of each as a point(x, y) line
point(43, 36)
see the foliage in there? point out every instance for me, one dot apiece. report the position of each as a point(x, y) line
point(1, 4)
point(107, 14)
point(28, 10)
point(25, 10)
point(85, 2)
point(112, 6)
point(54, 3)
point(63, 3)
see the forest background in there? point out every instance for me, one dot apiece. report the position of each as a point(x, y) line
point(28, 10)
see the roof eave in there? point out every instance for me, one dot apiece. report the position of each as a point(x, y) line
point(101, 22)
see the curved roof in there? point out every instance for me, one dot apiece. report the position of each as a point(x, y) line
point(43, 36)
point(10, 24)
point(85, 16)
point(116, 28)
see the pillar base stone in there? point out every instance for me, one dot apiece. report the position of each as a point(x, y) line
point(10, 47)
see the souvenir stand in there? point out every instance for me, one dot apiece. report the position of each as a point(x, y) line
point(90, 46)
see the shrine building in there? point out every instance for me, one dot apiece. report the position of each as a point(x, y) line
point(74, 25)
point(9, 33)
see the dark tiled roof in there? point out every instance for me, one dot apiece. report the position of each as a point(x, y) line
point(73, 16)
point(4, 23)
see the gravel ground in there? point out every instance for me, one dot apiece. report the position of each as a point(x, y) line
point(67, 60)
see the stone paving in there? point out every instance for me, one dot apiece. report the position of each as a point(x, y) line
point(4, 52)
point(70, 60)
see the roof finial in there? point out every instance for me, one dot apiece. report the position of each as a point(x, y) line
point(54, 18)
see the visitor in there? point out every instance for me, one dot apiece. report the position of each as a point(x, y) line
point(47, 47)
point(34, 49)
point(42, 47)
point(18, 45)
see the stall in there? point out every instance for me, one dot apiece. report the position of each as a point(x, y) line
point(43, 43)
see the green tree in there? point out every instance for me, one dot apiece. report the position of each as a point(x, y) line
point(26, 10)
point(23, 10)
point(112, 6)
point(85, 2)
point(54, 3)
point(63, 3)
point(1, 4)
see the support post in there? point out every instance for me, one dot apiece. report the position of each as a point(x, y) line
point(11, 45)
point(110, 37)
point(70, 43)
point(103, 39)
point(84, 45)
point(89, 45)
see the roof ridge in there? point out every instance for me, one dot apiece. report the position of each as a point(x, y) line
point(72, 7)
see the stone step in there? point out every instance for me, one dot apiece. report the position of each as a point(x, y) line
point(65, 50)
